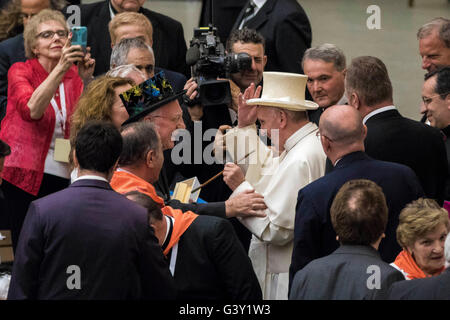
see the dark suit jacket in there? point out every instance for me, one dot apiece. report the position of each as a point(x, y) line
point(12, 50)
point(100, 231)
point(314, 236)
point(169, 44)
point(212, 265)
point(224, 15)
point(286, 29)
point(345, 275)
point(391, 137)
point(434, 288)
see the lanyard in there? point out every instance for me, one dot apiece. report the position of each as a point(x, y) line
point(61, 114)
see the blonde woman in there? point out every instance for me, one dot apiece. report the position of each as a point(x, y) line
point(421, 232)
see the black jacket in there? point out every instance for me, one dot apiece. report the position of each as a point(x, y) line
point(287, 31)
point(212, 265)
point(434, 288)
point(391, 137)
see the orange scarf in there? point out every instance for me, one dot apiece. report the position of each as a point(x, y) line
point(406, 263)
point(123, 182)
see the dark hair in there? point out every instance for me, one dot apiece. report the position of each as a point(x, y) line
point(368, 77)
point(442, 87)
point(359, 212)
point(138, 139)
point(244, 35)
point(5, 150)
point(153, 209)
point(97, 146)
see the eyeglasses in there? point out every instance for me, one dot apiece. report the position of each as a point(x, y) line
point(427, 100)
point(318, 135)
point(49, 34)
point(176, 119)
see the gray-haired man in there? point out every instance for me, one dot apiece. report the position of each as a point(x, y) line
point(325, 67)
point(136, 52)
point(434, 44)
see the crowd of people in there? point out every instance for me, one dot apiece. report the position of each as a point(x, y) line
point(325, 190)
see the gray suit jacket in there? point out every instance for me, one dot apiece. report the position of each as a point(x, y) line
point(351, 272)
point(434, 288)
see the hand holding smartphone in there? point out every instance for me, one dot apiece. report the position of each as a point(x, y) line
point(79, 37)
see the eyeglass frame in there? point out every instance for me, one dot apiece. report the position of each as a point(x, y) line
point(430, 99)
point(318, 135)
point(52, 34)
point(179, 118)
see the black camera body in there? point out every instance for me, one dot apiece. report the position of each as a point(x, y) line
point(206, 56)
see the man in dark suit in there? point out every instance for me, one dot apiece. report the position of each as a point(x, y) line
point(286, 28)
point(224, 14)
point(204, 251)
point(168, 43)
point(355, 270)
point(325, 67)
point(342, 135)
point(131, 25)
point(87, 241)
point(434, 48)
point(436, 103)
point(432, 288)
point(390, 136)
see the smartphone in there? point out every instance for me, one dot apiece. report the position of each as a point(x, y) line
point(79, 36)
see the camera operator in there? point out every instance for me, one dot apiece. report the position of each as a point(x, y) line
point(223, 115)
point(240, 41)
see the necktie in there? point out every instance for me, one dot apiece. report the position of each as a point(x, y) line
point(248, 13)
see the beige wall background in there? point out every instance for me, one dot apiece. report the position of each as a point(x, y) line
point(343, 22)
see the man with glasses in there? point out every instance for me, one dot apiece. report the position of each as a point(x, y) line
point(342, 135)
point(436, 102)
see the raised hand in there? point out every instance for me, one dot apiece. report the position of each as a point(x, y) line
point(246, 113)
point(86, 66)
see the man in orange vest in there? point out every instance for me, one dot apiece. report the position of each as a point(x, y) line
point(203, 251)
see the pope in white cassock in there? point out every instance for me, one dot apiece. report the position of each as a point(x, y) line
point(295, 159)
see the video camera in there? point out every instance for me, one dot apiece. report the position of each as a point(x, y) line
point(206, 56)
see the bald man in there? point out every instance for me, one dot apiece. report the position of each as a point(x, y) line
point(342, 134)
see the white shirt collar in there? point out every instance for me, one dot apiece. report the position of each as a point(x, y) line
point(377, 111)
point(90, 177)
point(259, 4)
point(167, 226)
point(111, 11)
